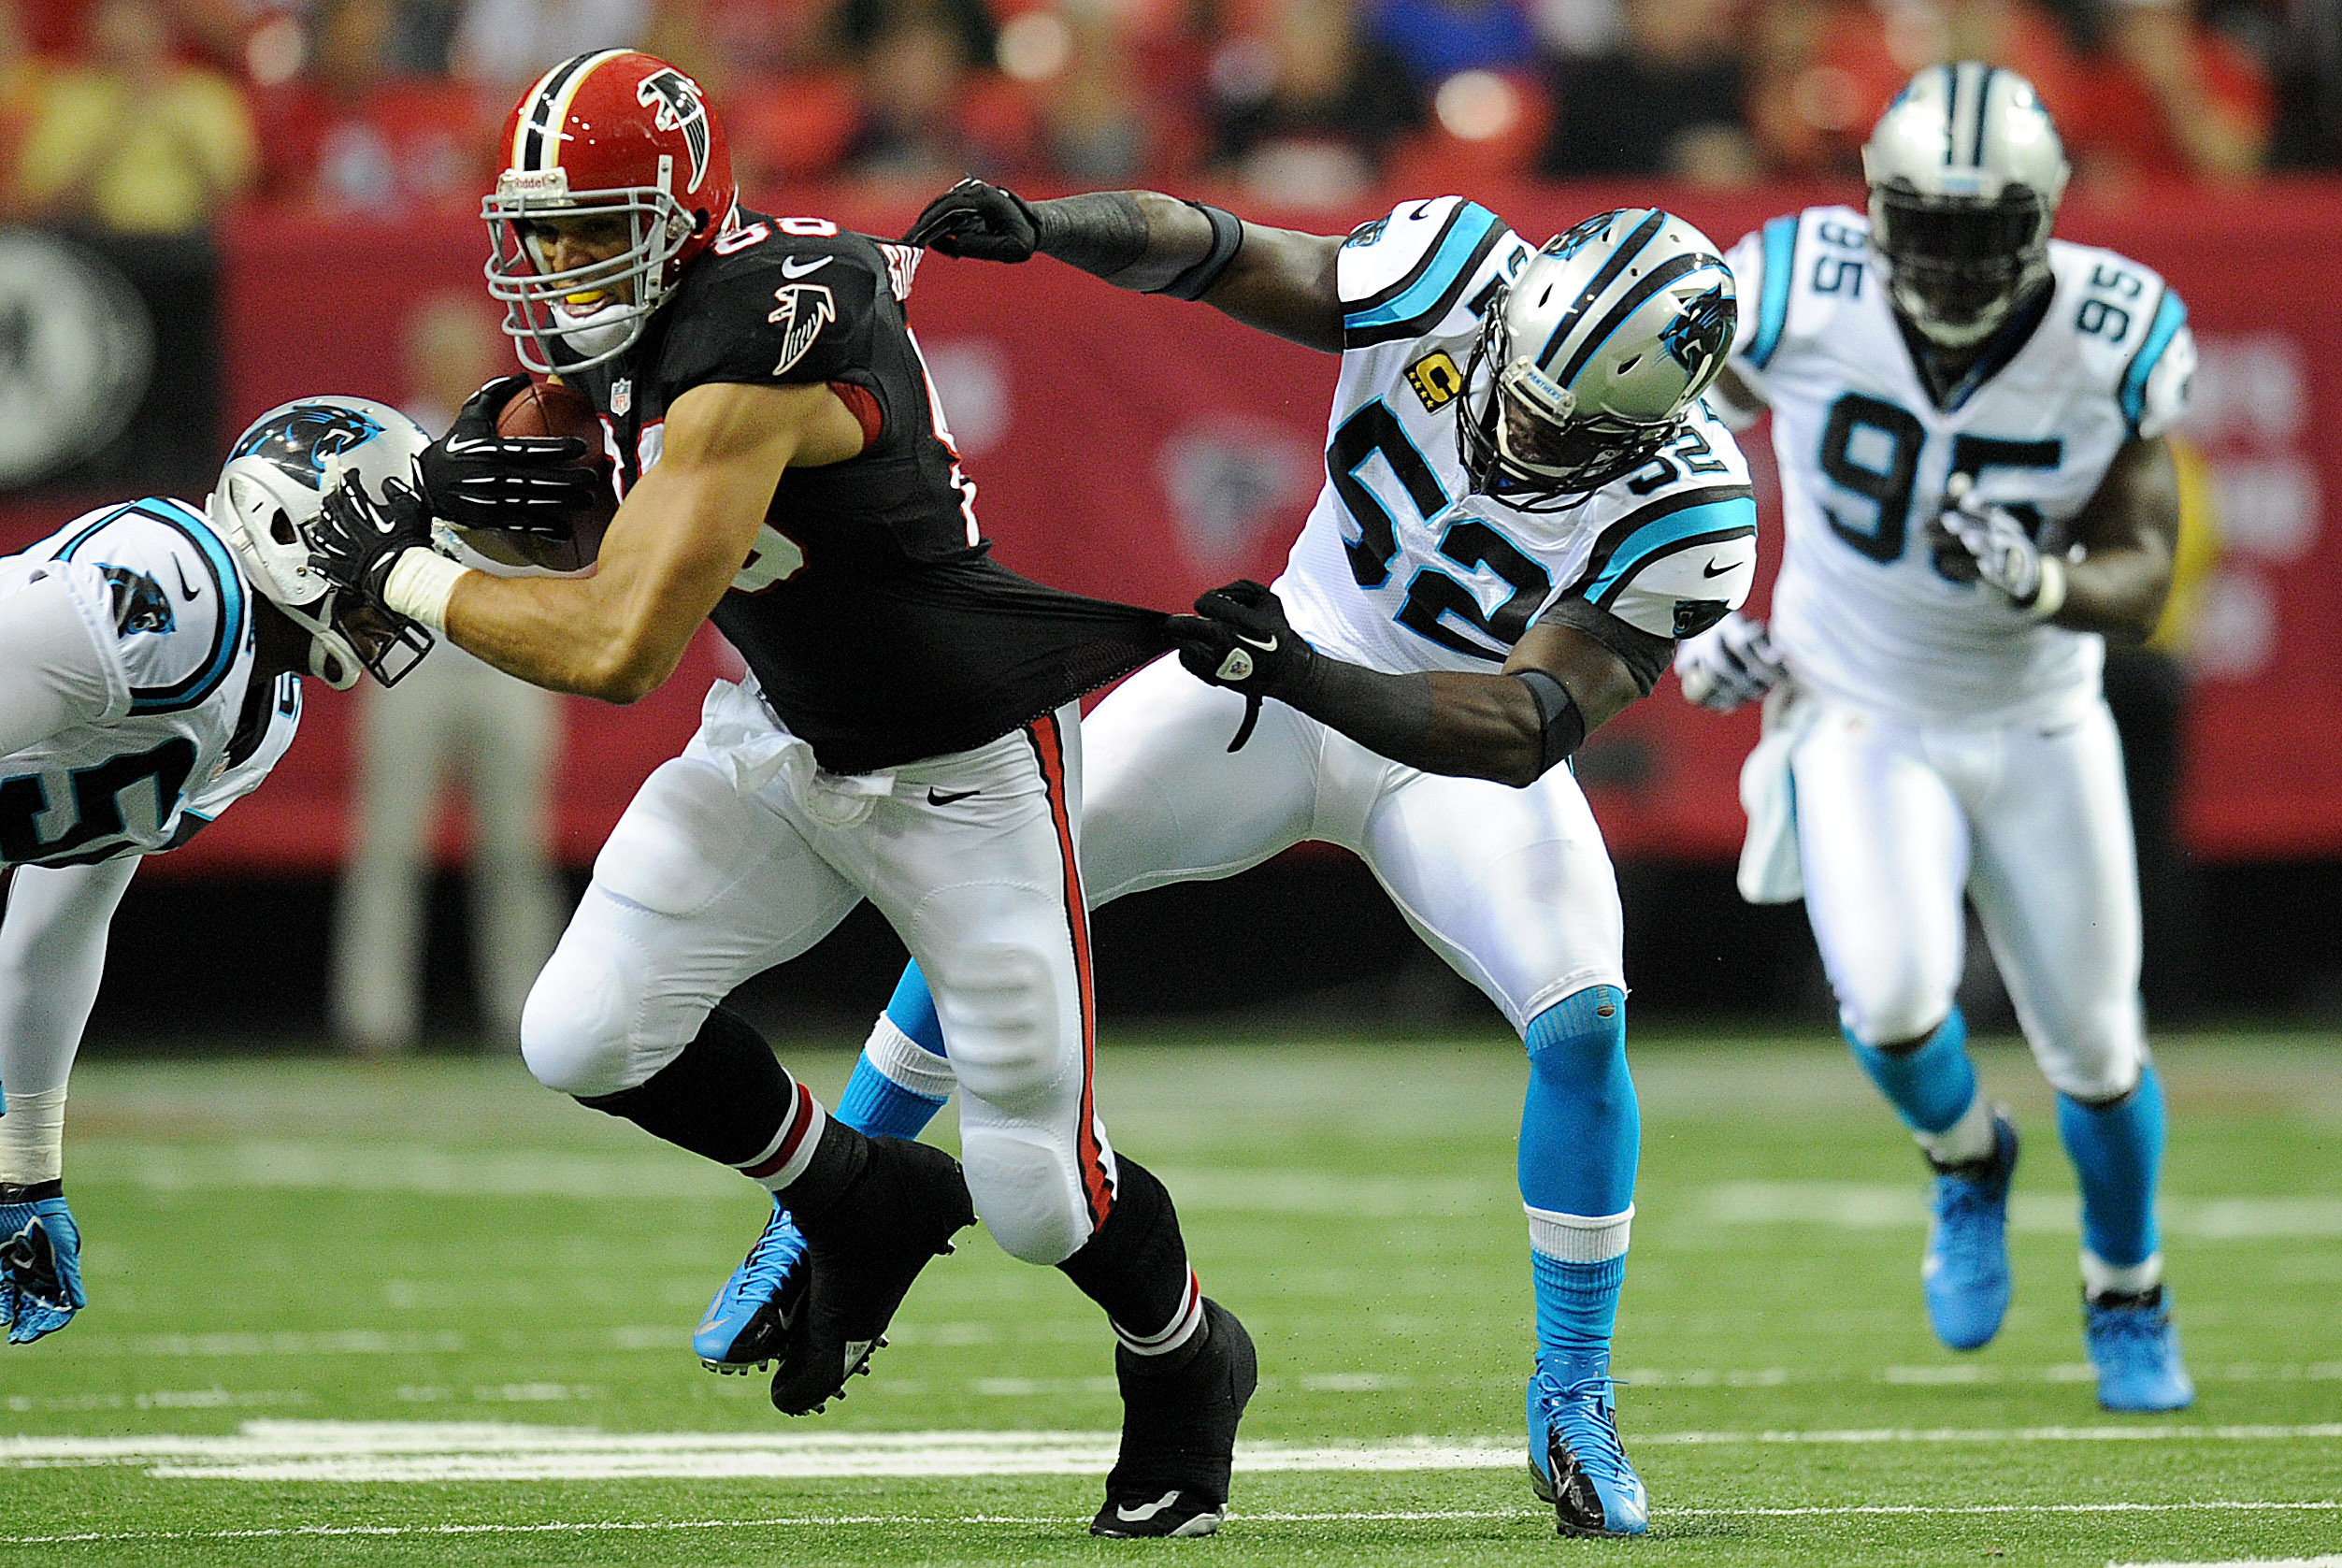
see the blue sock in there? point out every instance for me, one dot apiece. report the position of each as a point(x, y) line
point(1581, 1130)
point(2117, 1150)
point(1930, 1087)
point(1577, 1306)
point(875, 1104)
point(1581, 1135)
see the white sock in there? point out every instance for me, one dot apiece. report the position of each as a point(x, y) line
point(907, 1063)
point(1968, 1139)
point(2098, 1277)
point(1580, 1238)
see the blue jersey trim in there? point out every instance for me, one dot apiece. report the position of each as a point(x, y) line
point(1772, 299)
point(1664, 535)
point(1457, 249)
point(227, 634)
point(2170, 314)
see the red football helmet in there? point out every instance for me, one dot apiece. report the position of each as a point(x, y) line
point(617, 135)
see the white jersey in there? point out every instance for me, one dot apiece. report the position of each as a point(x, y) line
point(173, 740)
point(1860, 611)
point(1402, 567)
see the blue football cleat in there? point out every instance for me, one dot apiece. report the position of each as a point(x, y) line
point(40, 1262)
point(1965, 1273)
point(2136, 1352)
point(1575, 1459)
point(756, 1317)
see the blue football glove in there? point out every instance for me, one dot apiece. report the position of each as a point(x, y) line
point(40, 1264)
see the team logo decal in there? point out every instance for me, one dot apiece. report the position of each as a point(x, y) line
point(1694, 616)
point(139, 602)
point(1366, 234)
point(1698, 337)
point(621, 396)
point(1569, 243)
point(804, 310)
point(675, 97)
point(1435, 379)
point(300, 441)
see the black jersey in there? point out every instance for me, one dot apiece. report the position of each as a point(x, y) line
point(871, 610)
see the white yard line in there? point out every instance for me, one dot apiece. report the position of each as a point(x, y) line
point(1876, 1206)
point(1239, 1519)
point(2244, 1562)
point(393, 1452)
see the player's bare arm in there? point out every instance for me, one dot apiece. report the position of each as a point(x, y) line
point(2129, 533)
point(1559, 685)
point(1280, 281)
point(674, 546)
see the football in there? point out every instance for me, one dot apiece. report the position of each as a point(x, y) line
point(551, 408)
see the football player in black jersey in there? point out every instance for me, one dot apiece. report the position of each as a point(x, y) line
point(907, 734)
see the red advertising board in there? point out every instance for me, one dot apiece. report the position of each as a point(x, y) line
point(1145, 450)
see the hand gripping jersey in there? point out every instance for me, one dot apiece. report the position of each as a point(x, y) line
point(1401, 566)
point(871, 610)
point(1861, 610)
point(184, 731)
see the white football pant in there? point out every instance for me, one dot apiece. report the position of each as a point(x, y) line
point(1511, 887)
point(1895, 820)
point(741, 854)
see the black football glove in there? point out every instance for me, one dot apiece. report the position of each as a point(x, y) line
point(979, 220)
point(478, 477)
point(1239, 637)
point(356, 538)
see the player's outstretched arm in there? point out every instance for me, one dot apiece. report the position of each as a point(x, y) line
point(683, 534)
point(2129, 534)
point(1279, 281)
point(1559, 684)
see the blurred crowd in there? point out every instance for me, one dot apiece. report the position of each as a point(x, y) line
point(152, 115)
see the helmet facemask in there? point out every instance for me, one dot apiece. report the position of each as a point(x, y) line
point(1957, 266)
point(618, 295)
point(1521, 440)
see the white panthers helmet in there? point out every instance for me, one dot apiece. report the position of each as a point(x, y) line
point(1965, 171)
point(1589, 360)
point(275, 482)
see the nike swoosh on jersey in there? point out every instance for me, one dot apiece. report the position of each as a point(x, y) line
point(1712, 569)
point(184, 586)
point(789, 268)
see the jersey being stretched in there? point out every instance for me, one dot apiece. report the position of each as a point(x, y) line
point(167, 728)
point(870, 611)
point(1860, 610)
point(1403, 564)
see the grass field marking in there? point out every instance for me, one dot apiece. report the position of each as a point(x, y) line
point(1876, 1206)
point(2244, 1562)
point(1239, 1517)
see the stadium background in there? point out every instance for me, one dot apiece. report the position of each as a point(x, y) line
point(1134, 449)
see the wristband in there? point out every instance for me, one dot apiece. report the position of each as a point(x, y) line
point(33, 1139)
point(2049, 598)
point(1562, 726)
point(419, 584)
point(1228, 237)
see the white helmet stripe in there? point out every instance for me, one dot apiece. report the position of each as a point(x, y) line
point(1632, 246)
point(539, 136)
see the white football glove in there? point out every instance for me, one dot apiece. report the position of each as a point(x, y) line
point(1997, 551)
point(1730, 662)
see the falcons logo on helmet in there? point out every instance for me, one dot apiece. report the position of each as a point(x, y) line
point(804, 310)
point(677, 105)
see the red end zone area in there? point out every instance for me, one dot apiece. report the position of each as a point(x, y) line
point(1145, 450)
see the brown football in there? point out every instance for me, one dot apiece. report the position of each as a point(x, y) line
point(551, 408)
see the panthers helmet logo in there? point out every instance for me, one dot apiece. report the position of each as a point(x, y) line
point(676, 105)
point(1700, 332)
point(301, 439)
point(1571, 241)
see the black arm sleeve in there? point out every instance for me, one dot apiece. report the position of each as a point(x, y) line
point(1646, 656)
point(1103, 233)
point(1388, 715)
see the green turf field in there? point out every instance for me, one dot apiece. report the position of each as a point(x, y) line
point(429, 1312)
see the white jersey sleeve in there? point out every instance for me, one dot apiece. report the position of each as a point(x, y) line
point(59, 666)
point(1409, 273)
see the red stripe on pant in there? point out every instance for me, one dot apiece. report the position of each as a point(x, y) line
point(800, 1117)
point(1049, 749)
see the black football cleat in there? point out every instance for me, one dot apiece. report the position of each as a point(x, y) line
point(860, 1258)
point(1178, 1434)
